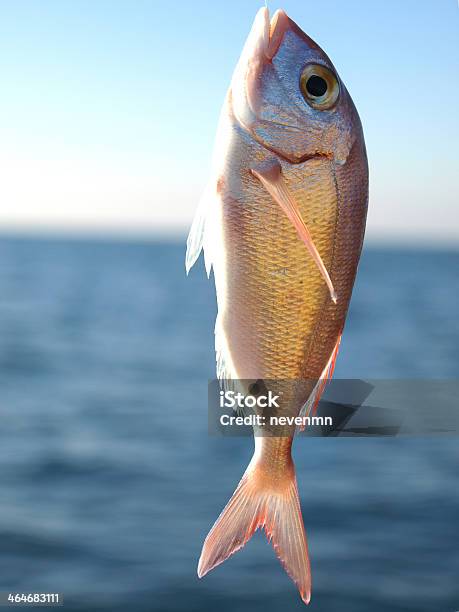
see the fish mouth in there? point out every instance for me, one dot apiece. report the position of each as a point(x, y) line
point(278, 25)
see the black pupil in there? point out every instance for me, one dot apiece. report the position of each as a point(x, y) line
point(316, 86)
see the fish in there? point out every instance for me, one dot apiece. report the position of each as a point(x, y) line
point(281, 223)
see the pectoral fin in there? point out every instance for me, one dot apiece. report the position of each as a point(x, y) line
point(272, 180)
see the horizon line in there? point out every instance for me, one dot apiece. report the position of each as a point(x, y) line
point(177, 234)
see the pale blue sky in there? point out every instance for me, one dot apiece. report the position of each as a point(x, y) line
point(108, 108)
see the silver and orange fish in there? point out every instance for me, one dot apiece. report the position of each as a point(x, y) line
point(282, 224)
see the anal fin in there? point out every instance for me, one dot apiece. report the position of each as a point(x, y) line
point(310, 407)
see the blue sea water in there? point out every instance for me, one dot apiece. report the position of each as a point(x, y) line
point(109, 481)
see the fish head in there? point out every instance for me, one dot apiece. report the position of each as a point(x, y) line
point(288, 95)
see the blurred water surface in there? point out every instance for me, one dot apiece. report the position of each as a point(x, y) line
point(109, 481)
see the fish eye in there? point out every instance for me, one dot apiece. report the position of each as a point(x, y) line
point(319, 86)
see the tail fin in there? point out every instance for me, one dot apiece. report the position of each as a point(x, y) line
point(273, 504)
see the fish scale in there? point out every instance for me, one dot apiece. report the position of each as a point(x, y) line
point(286, 320)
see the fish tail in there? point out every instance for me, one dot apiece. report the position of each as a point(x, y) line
point(270, 501)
